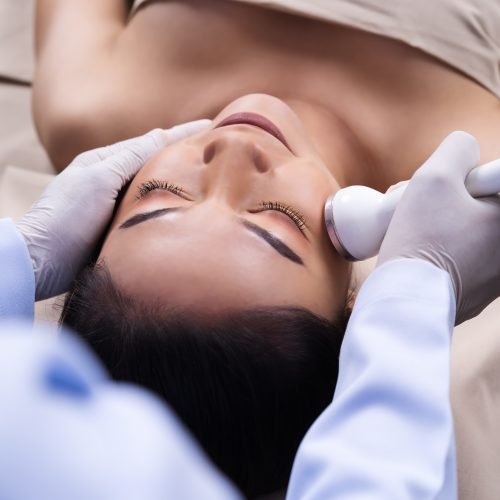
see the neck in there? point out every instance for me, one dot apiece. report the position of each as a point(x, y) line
point(348, 158)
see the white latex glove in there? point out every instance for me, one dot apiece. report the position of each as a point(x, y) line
point(438, 221)
point(63, 227)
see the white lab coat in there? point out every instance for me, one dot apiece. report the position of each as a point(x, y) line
point(67, 431)
point(388, 434)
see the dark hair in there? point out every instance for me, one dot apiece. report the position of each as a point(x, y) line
point(248, 384)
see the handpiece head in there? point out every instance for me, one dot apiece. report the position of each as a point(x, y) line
point(355, 221)
point(333, 232)
point(357, 217)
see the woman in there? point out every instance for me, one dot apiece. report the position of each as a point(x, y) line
point(382, 436)
point(352, 107)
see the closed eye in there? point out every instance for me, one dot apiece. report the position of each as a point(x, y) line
point(297, 218)
point(272, 240)
point(155, 184)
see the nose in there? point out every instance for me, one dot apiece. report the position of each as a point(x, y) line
point(233, 162)
point(236, 145)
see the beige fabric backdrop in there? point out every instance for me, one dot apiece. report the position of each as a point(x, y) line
point(463, 33)
point(476, 345)
point(19, 145)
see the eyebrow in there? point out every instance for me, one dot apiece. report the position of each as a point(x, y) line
point(269, 238)
point(143, 217)
point(276, 243)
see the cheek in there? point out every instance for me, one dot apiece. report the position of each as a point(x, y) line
point(308, 185)
point(331, 275)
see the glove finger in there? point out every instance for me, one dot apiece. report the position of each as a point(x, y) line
point(158, 138)
point(145, 145)
point(485, 176)
point(455, 157)
point(130, 159)
point(179, 132)
point(492, 201)
point(397, 186)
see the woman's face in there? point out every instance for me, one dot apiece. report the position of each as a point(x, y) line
point(231, 218)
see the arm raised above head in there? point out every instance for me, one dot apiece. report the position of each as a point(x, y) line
point(103, 76)
point(74, 43)
point(81, 21)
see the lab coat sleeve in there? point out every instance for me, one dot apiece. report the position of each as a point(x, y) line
point(388, 432)
point(17, 279)
point(68, 432)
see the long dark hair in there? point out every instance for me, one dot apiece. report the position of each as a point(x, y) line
point(248, 384)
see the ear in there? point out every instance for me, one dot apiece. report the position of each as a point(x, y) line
point(351, 299)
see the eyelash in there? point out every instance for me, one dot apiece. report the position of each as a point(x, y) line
point(154, 184)
point(291, 212)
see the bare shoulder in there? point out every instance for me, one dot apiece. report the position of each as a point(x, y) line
point(100, 82)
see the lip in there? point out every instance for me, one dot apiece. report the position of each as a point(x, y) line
point(257, 121)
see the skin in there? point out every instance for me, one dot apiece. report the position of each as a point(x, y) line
point(207, 259)
point(178, 61)
point(371, 109)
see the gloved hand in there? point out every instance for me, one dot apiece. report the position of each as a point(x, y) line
point(63, 227)
point(438, 221)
